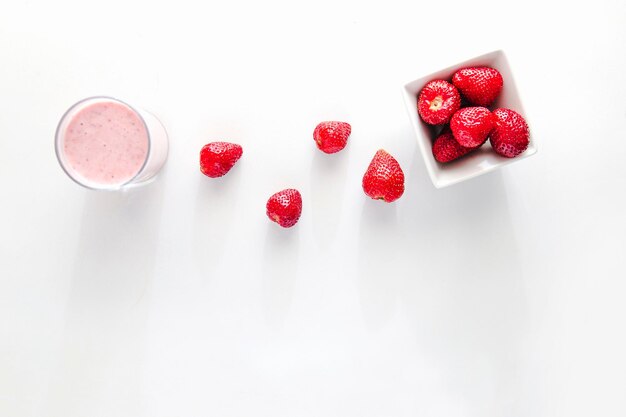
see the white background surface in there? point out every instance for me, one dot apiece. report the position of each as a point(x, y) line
point(500, 296)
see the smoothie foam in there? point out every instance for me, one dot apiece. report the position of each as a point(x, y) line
point(106, 143)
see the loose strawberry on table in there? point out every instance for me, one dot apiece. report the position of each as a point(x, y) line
point(217, 158)
point(285, 207)
point(384, 179)
point(332, 137)
point(437, 102)
point(510, 136)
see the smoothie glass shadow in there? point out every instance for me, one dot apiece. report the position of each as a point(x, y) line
point(103, 143)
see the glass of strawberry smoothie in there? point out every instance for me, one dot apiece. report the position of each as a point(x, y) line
point(103, 143)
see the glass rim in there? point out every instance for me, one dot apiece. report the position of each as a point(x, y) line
point(57, 140)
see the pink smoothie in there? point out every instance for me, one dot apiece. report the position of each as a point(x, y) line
point(106, 143)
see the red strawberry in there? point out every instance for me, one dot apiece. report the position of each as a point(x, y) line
point(217, 158)
point(510, 135)
point(285, 207)
point(437, 102)
point(471, 126)
point(479, 85)
point(332, 137)
point(446, 148)
point(384, 179)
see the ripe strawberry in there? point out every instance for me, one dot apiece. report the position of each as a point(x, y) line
point(331, 137)
point(384, 179)
point(471, 126)
point(446, 148)
point(217, 158)
point(510, 135)
point(479, 85)
point(285, 207)
point(437, 102)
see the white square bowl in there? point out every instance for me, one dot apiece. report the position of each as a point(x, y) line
point(482, 160)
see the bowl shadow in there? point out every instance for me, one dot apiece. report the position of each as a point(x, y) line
point(446, 261)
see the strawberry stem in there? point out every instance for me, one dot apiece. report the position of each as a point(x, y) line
point(436, 104)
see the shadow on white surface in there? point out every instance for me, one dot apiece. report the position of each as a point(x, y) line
point(470, 328)
point(116, 255)
point(280, 270)
point(328, 183)
point(378, 255)
point(215, 203)
point(106, 309)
